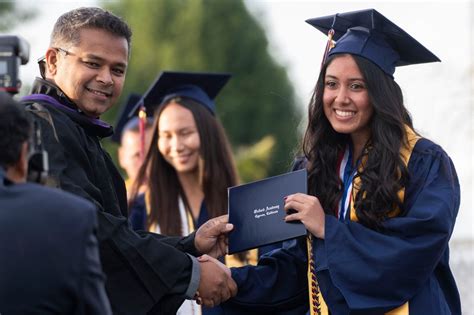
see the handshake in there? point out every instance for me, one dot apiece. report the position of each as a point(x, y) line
point(216, 284)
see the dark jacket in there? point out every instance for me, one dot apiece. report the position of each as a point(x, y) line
point(49, 256)
point(146, 272)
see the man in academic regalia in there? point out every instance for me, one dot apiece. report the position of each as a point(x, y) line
point(83, 74)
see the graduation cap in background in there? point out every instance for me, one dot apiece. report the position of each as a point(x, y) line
point(128, 121)
point(124, 116)
point(201, 87)
point(369, 34)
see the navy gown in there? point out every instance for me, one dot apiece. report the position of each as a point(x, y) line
point(362, 271)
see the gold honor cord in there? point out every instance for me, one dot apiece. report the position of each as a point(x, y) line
point(317, 305)
point(405, 152)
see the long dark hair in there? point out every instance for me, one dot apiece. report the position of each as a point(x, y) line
point(384, 172)
point(217, 170)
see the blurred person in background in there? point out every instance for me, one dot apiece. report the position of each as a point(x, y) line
point(189, 164)
point(129, 151)
point(132, 134)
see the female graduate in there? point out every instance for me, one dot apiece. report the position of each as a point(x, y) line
point(382, 200)
point(189, 164)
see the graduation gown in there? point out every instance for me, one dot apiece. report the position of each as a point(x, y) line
point(362, 271)
point(145, 272)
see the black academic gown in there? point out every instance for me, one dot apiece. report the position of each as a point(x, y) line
point(361, 271)
point(145, 272)
point(49, 255)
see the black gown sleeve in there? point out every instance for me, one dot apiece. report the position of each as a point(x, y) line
point(142, 269)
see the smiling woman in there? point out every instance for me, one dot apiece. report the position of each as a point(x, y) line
point(178, 140)
point(189, 164)
point(346, 101)
point(382, 200)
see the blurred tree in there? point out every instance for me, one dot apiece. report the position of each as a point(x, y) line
point(5, 9)
point(215, 36)
point(254, 162)
point(11, 14)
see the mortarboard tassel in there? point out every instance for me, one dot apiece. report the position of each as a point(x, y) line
point(141, 128)
point(329, 46)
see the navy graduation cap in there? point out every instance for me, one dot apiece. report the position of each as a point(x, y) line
point(199, 86)
point(124, 117)
point(369, 34)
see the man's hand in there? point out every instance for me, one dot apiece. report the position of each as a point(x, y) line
point(216, 285)
point(211, 237)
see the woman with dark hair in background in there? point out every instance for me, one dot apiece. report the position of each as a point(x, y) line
point(382, 201)
point(189, 164)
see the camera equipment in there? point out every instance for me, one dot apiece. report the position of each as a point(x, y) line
point(38, 165)
point(14, 51)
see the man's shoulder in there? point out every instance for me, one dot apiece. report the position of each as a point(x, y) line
point(47, 209)
point(56, 197)
point(46, 110)
point(55, 124)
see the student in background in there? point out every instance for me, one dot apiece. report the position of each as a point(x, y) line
point(132, 140)
point(189, 164)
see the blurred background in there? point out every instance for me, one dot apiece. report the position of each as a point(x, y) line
point(274, 57)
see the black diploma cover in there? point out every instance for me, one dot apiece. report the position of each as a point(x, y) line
point(257, 211)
